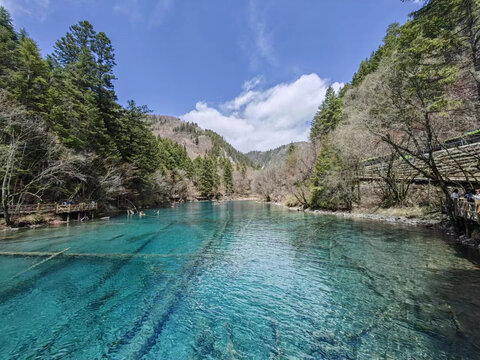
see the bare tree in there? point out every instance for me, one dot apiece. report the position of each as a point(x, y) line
point(298, 171)
point(32, 160)
point(106, 180)
point(172, 185)
point(265, 182)
point(413, 115)
point(242, 180)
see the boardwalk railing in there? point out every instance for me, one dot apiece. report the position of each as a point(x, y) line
point(49, 208)
point(458, 164)
point(468, 210)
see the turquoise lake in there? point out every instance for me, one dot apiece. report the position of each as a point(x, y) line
point(240, 280)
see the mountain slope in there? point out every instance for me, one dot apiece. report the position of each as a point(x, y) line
point(275, 156)
point(197, 141)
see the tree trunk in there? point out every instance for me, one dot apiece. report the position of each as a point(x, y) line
point(6, 215)
point(4, 199)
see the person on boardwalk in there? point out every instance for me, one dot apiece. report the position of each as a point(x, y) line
point(469, 195)
point(476, 196)
point(455, 195)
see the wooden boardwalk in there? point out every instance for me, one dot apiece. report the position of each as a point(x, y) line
point(50, 208)
point(450, 162)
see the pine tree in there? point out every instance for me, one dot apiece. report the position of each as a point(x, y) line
point(29, 82)
point(197, 169)
point(228, 176)
point(84, 111)
point(8, 45)
point(328, 116)
point(136, 143)
point(326, 165)
point(208, 178)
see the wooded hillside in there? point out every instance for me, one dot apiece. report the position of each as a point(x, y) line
point(197, 141)
point(64, 136)
point(420, 88)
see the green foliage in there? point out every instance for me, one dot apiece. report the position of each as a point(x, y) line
point(367, 67)
point(29, 81)
point(83, 111)
point(173, 156)
point(221, 148)
point(135, 141)
point(330, 112)
point(407, 92)
point(292, 158)
point(73, 97)
point(228, 176)
point(190, 128)
point(423, 64)
point(291, 149)
point(325, 191)
point(371, 64)
point(243, 170)
point(326, 165)
point(209, 180)
point(8, 45)
point(328, 116)
point(187, 127)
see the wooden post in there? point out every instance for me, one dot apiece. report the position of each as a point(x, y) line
point(428, 191)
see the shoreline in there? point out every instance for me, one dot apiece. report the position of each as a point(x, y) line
point(428, 223)
point(431, 224)
point(56, 222)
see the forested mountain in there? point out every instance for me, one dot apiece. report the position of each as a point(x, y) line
point(197, 141)
point(274, 157)
point(63, 135)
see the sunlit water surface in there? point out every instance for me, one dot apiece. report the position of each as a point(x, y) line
point(237, 281)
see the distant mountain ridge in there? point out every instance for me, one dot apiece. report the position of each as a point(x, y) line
point(275, 156)
point(197, 141)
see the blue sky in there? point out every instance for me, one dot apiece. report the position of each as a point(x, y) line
point(252, 70)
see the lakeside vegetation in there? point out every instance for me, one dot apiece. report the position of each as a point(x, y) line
point(417, 91)
point(64, 136)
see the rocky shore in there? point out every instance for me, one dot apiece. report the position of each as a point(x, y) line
point(380, 217)
point(425, 222)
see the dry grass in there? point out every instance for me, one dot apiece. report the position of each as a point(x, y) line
point(291, 201)
point(407, 212)
point(33, 219)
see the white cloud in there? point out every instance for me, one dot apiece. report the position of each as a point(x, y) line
point(140, 11)
point(252, 83)
point(263, 120)
point(160, 10)
point(130, 9)
point(38, 8)
point(264, 49)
